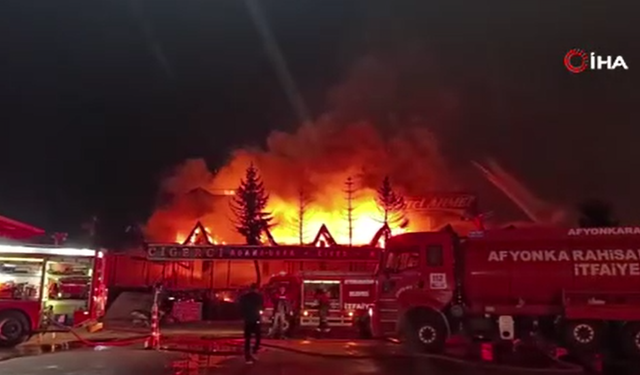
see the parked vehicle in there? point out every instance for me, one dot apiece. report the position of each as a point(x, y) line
point(350, 298)
point(574, 286)
point(48, 284)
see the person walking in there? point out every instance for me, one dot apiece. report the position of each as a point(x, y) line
point(251, 305)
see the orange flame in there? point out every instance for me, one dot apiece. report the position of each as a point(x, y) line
point(182, 238)
point(319, 157)
point(367, 219)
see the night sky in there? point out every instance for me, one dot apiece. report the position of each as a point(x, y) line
point(99, 98)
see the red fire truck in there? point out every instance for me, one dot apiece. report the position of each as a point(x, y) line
point(351, 296)
point(65, 284)
point(576, 286)
point(357, 286)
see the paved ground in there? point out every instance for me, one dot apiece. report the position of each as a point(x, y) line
point(285, 363)
point(124, 332)
point(93, 362)
point(270, 362)
point(282, 357)
point(356, 358)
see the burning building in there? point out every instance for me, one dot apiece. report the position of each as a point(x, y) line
point(379, 122)
point(304, 174)
point(376, 127)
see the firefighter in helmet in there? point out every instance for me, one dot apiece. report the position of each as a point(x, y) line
point(322, 297)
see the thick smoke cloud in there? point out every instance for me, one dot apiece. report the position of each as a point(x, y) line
point(386, 118)
point(376, 126)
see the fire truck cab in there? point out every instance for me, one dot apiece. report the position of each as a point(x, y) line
point(350, 295)
point(573, 287)
point(40, 285)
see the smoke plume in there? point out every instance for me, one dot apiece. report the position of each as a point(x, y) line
point(374, 128)
point(536, 209)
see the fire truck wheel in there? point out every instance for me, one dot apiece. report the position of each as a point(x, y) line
point(630, 340)
point(583, 335)
point(14, 328)
point(428, 333)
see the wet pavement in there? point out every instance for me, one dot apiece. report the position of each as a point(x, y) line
point(293, 357)
point(200, 355)
point(111, 361)
point(282, 363)
point(270, 362)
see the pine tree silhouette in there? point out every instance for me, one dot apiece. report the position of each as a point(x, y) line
point(350, 192)
point(249, 207)
point(392, 205)
point(302, 214)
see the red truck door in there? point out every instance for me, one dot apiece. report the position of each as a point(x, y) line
point(437, 277)
point(436, 283)
point(417, 271)
point(436, 272)
point(400, 272)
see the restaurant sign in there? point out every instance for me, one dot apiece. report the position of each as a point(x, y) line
point(457, 203)
point(173, 252)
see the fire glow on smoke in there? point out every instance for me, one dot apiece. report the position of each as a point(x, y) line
point(318, 159)
point(379, 122)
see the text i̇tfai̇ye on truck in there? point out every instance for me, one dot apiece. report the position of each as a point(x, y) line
point(572, 286)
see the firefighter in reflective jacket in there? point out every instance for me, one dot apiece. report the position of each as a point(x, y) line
point(323, 310)
point(281, 310)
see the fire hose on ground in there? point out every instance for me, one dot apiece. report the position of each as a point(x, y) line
point(563, 367)
point(152, 341)
point(92, 343)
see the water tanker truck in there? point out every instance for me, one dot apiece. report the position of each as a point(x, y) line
point(572, 286)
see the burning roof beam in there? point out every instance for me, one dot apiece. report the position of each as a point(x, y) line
point(198, 231)
point(324, 234)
